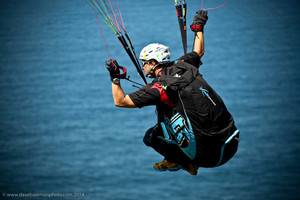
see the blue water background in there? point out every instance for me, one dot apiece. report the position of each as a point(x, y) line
point(60, 131)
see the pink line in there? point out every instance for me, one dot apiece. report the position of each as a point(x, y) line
point(218, 6)
point(115, 22)
point(110, 16)
point(113, 10)
point(122, 22)
point(116, 15)
point(101, 30)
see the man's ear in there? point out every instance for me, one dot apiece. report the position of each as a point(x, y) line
point(153, 62)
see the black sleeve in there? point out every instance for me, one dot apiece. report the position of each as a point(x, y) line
point(146, 96)
point(192, 58)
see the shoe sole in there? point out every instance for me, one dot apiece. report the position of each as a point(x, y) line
point(194, 174)
point(168, 169)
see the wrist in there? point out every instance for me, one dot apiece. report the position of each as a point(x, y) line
point(197, 28)
point(115, 81)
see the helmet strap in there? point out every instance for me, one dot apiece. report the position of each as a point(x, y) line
point(152, 75)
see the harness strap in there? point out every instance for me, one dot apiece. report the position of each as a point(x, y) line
point(224, 145)
point(169, 134)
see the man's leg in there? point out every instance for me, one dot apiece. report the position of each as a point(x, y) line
point(172, 153)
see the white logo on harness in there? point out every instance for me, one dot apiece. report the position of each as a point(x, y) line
point(205, 93)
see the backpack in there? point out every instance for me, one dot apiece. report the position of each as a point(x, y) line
point(200, 124)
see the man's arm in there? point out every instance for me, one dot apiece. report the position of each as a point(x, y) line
point(197, 26)
point(120, 99)
point(199, 44)
point(118, 94)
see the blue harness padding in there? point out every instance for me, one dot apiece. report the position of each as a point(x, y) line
point(224, 145)
point(178, 132)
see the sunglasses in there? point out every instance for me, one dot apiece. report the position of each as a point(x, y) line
point(144, 62)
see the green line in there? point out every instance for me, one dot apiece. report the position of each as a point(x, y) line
point(105, 8)
point(100, 10)
point(102, 15)
point(106, 15)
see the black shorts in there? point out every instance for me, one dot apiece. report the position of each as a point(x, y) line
point(171, 152)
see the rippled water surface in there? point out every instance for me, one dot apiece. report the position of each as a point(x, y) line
point(60, 132)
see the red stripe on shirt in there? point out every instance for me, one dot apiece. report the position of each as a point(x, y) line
point(163, 96)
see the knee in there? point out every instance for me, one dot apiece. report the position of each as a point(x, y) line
point(148, 136)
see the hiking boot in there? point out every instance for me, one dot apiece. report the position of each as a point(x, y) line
point(192, 169)
point(166, 165)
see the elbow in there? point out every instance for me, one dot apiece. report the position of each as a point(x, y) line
point(119, 101)
point(124, 102)
point(118, 104)
point(121, 104)
point(125, 105)
point(201, 52)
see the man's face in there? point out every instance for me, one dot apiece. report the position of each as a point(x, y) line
point(147, 68)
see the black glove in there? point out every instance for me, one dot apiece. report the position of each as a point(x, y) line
point(114, 69)
point(199, 21)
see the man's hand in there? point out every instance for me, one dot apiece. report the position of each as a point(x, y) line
point(114, 69)
point(199, 21)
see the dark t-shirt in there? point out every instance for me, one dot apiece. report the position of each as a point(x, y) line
point(154, 94)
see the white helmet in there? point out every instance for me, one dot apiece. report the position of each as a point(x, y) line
point(156, 51)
